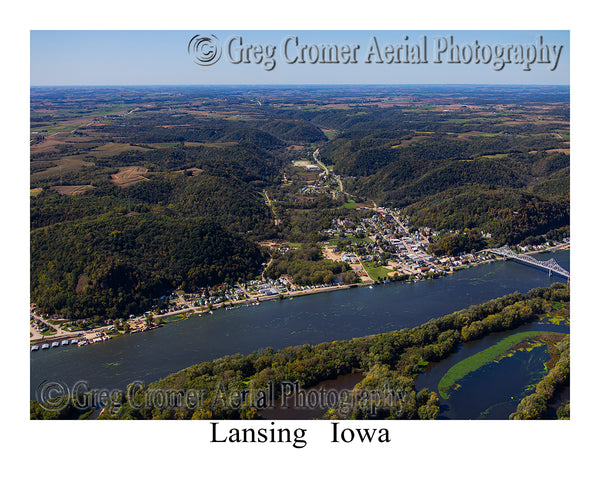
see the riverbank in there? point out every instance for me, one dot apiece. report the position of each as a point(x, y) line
point(312, 365)
point(476, 263)
point(308, 319)
point(253, 300)
point(256, 299)
point(87, 337)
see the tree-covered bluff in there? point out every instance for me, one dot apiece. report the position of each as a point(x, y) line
point(115, 265)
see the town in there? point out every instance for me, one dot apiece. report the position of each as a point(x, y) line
point(380, 249)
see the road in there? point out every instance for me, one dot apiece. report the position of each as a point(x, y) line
point(265, 269)
point(409, 248)
point(316, 159)
point(357, 268)
point(35, 335)
point(327, 172)
point(270, 204)
point(59, 331)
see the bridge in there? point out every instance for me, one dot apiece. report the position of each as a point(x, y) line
point(550, 265)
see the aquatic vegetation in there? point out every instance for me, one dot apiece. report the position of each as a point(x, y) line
point(496, 352)
point(173, 318)
point(534, 406)
point(555, 320)
point(527, 345)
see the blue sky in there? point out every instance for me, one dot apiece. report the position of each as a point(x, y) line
point(160, 57)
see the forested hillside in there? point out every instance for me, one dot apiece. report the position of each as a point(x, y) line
point(482, 165)
point(484, 171)
point(114, 265)
point(190, 221)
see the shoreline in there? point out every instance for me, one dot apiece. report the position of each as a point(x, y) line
point(185, 313)
point(188, 312)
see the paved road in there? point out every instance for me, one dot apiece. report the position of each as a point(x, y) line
point(35, 335)
point(409, 248)
point(322, 165)
point(59, 331)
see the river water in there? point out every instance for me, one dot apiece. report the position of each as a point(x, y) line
point(337, 315)
point(493, 391)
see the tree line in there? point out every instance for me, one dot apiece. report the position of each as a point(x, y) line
point(535, 406)
point(306, 266)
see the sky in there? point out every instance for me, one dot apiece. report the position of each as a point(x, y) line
point(161, 57)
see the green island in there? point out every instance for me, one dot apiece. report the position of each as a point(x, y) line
point(494, 353)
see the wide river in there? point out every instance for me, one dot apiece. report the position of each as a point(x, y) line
point(322, 317)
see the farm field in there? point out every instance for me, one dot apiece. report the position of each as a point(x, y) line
point(129, 176)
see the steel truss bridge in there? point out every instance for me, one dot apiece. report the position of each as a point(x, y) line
point(550, 265)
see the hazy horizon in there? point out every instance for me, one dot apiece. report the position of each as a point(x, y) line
point(319, 85)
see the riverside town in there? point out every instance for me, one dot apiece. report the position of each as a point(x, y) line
point(299, 252)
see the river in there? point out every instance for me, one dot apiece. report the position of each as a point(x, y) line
point(337, 315)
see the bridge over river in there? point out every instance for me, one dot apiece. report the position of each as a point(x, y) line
point(550, 265)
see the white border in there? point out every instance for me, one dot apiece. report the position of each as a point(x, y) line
point(175, 449)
